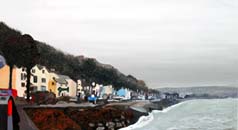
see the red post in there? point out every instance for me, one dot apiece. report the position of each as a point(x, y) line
point(9, 107)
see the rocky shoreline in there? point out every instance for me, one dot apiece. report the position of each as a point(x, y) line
point(104, 117)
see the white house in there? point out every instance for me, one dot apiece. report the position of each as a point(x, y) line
point(40, 78)
point(106, 91)
point(79, 86)
point(20, 84)
point(65, 86)
point(72, 87)
point(96, 89)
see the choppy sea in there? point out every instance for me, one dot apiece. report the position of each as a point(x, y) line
point(202, 114)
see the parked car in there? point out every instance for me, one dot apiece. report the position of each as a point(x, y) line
point(92, 98)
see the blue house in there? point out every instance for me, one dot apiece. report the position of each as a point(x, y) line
point(121, 92)
point(124, 92)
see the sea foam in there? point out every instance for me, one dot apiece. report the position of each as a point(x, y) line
point(145, 120)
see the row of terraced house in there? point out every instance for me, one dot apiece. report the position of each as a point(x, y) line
point(42, 79)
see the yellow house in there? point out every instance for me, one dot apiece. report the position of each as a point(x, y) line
point(52, 82)
point(18, 79)
point(41, 80)
point(4, 77)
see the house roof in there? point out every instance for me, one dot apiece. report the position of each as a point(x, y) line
point(64, 76)
point(40, 67)
point(62, 79)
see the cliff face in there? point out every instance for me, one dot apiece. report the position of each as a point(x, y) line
point(77, 67)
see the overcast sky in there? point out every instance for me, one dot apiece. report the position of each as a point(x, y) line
point(167, 43)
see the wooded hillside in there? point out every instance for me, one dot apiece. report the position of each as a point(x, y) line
point(77, 67)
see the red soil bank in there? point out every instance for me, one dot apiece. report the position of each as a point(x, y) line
point(51, 119)
point(74, 118)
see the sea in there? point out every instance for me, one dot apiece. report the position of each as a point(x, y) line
point(202, 114)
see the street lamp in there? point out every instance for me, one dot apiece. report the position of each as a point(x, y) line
point(93, 84)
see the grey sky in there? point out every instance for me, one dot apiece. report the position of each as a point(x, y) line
point(168, 43)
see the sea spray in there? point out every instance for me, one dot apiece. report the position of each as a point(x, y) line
point(143, 121)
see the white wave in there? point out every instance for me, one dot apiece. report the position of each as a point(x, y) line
point(217, 114)
point(144, 120)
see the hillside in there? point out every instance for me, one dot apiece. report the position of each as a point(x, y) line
point(77, 67)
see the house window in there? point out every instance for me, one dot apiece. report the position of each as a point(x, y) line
point(22, 84)
point(43, 80)
point(43, 71)
point(25, 76)
point(33, 89)
point(22, 76)
point(33, 70)
point(43, 88)
point(35, 79)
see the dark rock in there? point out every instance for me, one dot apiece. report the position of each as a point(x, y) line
point(100, 128)
point(123, 124)
point(122, 117)
point(100, 124)
point(91, 124)
point(119, 125)
point(110, 125)
point(116, 120)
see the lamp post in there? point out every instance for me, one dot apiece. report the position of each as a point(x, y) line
point(93, 85)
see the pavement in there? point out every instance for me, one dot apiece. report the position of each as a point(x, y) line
point(139, 103)
point(135, 105)
point(25, 122)
point(63, 105)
